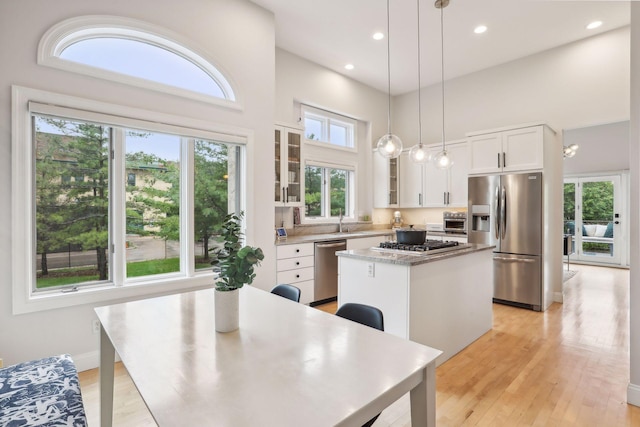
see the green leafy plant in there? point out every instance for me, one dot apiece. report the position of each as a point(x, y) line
point(234, 262)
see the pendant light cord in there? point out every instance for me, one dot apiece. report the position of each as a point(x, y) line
point(419, 83)
point(442, 6)
point(388, 71)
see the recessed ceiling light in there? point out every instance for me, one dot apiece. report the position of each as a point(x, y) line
point(593, 25)
point(349, 66)
point(480, 29)
point(378, 36)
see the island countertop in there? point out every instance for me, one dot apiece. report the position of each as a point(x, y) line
point(416, 258)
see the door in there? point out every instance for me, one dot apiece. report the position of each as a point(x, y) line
point(520, 221)
point(592, 213)
point(410, 182)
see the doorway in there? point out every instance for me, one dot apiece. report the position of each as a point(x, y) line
point(593, 214)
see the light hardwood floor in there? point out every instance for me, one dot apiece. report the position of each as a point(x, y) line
point(568, 366)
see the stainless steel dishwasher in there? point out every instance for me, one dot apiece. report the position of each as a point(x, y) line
point(326, 270)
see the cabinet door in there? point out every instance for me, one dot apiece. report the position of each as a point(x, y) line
point(288, 176)
point(485, 153)
point(385, 181)
point(435, 181)
point(410, 182)
point(279, 185)
point(459, 175)
point(523, 149)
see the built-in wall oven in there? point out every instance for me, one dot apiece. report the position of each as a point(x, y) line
point(454, 222)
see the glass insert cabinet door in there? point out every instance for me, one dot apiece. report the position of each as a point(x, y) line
point(288, 177)
point(592, 215)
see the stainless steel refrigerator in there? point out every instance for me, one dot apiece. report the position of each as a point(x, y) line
point(507, 211)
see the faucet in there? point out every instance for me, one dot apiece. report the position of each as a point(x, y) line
point(340, 220)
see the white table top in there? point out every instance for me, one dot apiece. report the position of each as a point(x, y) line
point(287, 365)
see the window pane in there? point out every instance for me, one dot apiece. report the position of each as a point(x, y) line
point(339, 182)
point(215, 183)
point(142, 60)
point(72, 215)
point(313, 191)
point(313, 129)
point(153, 204)
point(339, 135)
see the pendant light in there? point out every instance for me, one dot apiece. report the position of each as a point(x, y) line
point(389, 145)
point(442, 160)
point(418, 153)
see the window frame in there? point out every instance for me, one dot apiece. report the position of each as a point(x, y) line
point(328, 119)
point(326, 196)
point(72, 30)
point(26, 101)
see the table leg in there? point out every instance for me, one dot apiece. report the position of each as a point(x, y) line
point(107, 359)
point(423, 399)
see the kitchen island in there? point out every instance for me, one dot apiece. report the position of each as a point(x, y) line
point(442, 299)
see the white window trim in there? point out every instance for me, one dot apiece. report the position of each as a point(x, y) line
point(69, 31)
point(330, 116)
point(353, 198)
point(22, 207)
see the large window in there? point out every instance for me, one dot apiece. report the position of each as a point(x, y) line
point(101, 200)
point(328, 192)
point(329, 128)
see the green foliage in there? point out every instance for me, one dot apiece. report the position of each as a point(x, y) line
point(235, 262)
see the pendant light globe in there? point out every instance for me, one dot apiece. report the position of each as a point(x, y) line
point(389, 146)
point(442, 160)
point(419, 154)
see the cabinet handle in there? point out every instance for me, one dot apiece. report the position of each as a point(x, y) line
point(419, 199)
point(283, 199)
point(448, 198)
point(297, 250)
point(297, 276)
point(498, 160)
point(286, 199)
point(444, 197)
point(297, 262)
point(504, 159)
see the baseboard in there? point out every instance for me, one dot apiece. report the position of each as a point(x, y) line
point(557, 297)
point(633, 394)
point(90, 360)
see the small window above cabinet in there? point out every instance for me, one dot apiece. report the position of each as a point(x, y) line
point(385, 181)
point(288, 171)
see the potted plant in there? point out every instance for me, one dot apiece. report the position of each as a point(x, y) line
point(234, 265)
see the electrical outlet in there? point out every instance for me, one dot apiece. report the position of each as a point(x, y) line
point(95, 326)
point(371, 270)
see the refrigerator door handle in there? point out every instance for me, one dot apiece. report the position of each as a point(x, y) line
point(503, 212)
point(497, 213)
point(528, 260)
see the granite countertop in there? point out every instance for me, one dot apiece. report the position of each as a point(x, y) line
point(411, 259)
point(312, 238)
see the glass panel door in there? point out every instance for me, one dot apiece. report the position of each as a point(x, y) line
point(591, 214)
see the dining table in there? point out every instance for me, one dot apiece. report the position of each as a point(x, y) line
point(287, 364)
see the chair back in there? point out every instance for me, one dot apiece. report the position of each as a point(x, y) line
point(287, 291)
point(363, 314)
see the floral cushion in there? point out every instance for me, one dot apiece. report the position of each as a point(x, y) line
point(43, 392)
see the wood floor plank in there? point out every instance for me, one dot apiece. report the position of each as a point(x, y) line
point(567, 366)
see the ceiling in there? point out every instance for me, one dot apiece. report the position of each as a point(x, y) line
point(333, 33)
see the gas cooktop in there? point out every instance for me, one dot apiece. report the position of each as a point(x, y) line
point(428, 245)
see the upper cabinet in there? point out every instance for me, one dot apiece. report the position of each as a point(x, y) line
point(447, 187)
point(428, 186)
point(288, 178)
point(385, 181)
point(508, 150)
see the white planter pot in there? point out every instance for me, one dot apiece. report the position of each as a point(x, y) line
point(226, 310)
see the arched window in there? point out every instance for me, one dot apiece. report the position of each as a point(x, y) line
point(133, 52)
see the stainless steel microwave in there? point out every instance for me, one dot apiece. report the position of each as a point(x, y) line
point(454, 222)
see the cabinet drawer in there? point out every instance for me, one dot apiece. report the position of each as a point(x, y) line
point(291, 251)
point(293, 276)
point(293, 263)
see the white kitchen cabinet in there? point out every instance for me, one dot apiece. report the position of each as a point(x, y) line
point(508, 150)
point(288, 171)
point(385, 181)
point(295, 266)
point(411, 179)
point(447, 187)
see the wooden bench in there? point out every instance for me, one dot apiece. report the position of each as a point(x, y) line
point(43, 392)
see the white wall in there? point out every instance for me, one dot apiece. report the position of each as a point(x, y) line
point(603, 148)
point(579, 84)
point(236, 33)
